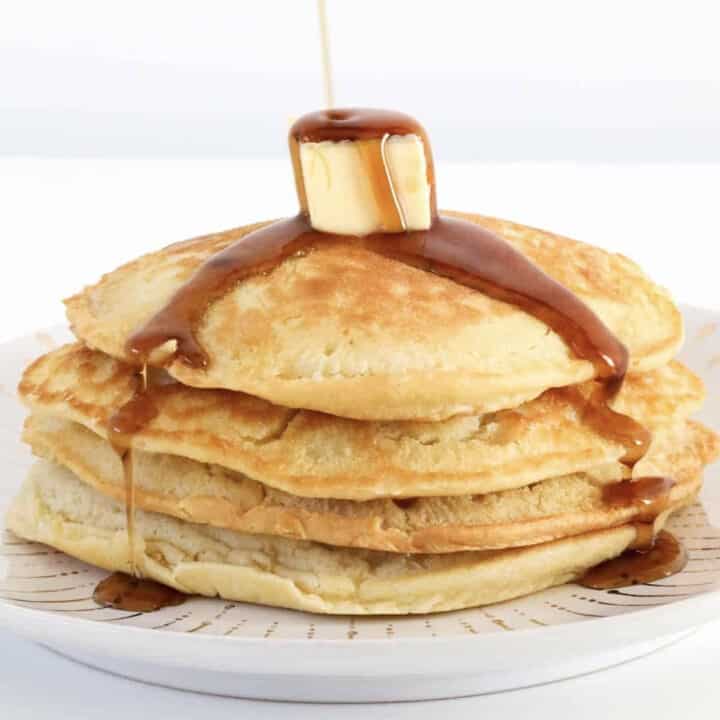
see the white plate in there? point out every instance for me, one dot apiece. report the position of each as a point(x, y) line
point(257, 652)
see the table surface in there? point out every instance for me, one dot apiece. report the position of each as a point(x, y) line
point(65, 221)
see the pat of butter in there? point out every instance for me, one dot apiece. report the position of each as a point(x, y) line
point(339, 184)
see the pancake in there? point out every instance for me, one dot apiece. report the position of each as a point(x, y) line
point(311, 454)
point(344, 331)
point(57, 509)
point(210, 494)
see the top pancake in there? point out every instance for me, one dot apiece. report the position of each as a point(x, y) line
point(347, 332)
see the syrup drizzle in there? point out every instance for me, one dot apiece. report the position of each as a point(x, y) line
point(462, 251)
point(123, 424)
point(666, 556)
point(325, 47)
point(120, 590)
point(650, 557)
point(126, 592)
point(649, 495)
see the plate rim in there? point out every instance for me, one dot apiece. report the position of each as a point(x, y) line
point(330, 656)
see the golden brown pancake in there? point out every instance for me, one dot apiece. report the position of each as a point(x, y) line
point(209, 494)
point(56, 508)
point(344, 331)
point(311, 454)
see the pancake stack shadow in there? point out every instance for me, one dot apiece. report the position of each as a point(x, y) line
point(367, 438)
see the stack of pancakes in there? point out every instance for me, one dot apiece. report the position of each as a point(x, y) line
point(366, 438)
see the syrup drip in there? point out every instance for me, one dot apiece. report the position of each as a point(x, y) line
point(372, 153)
point(120, 590)
point(127, 420)
point(644, 536)
point(650, 557)
point(125, 592)
point(665, 557)
point(135, 414)
point(650, 495)
point(325, 46)
point(459, 250)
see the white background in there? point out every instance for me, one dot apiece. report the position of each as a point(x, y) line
point(618, 80)
point(126, 126)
